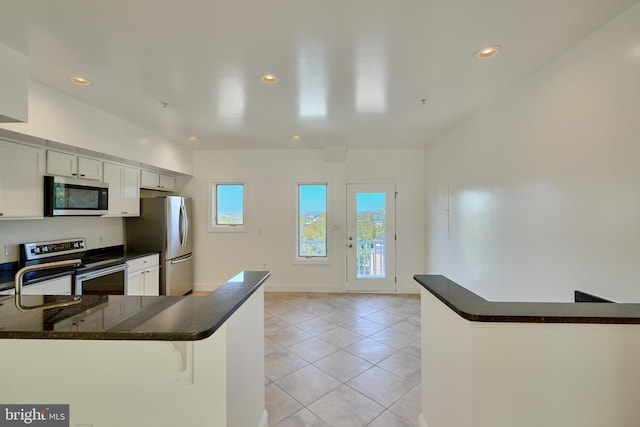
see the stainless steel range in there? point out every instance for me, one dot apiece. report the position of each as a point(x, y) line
point(96, 274)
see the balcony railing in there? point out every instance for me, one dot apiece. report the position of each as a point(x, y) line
point(371, 257)
point(313, 248)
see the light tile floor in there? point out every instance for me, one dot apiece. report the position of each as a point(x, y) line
point(342, 359)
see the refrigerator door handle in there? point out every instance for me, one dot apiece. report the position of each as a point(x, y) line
point(183, 233)
point(186, 225)
point(179, 260)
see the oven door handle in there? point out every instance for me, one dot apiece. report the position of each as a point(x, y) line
point(102, 272)
point(18, 284)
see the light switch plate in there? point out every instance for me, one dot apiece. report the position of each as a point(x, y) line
point(10, 249)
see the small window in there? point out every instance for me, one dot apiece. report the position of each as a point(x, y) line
point(228, 205)
point(312, 221)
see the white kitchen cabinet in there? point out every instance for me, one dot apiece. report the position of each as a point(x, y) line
point(144, 275)
point(21, 182)
point(124, 189)
point(67, 164)
point(167, 182)
point(57, 286)
point(157, 181)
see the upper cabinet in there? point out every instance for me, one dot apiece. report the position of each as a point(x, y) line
point(21, 182)
point(66, 164)
point(157, 181)
point(124, 189)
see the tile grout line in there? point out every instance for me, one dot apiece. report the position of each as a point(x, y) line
point(284, 307)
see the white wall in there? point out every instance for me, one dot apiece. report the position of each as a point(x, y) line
point(543, 186)
point(14, 82)
point(99, 232)
point(271, 177)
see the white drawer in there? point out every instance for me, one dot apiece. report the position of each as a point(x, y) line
point(144, 262)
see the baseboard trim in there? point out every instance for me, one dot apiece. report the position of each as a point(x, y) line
point(284, 287)
point(264, 421)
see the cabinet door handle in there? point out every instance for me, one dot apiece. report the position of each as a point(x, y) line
point(82, 174)
point(1, 213)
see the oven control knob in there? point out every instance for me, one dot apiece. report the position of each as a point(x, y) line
point(36, 250)
point(45, 249)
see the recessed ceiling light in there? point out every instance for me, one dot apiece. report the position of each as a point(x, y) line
point(80, 81)
point(486, 52)
point(269, 78)
point(193, 139)
point(296, 138)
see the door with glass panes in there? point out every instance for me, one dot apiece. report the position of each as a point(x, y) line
point(371, 237)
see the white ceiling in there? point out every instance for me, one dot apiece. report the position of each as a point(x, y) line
point(351, 72)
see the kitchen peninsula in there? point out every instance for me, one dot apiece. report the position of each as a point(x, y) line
point(141, 360)
point(526, 364)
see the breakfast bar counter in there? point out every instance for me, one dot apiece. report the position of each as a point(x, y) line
point(473, 307)
point(526, 364)
point(141, 360)
point(161, 318)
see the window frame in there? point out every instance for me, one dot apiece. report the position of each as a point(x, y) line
point(297, 259)
point(213, 226)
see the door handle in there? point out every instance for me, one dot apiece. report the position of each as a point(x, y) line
point(184, 226)
point(178, 261)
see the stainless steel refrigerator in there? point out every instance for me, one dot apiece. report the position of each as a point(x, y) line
point(164, 226)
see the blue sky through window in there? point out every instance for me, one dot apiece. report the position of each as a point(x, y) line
point(370, 202)
point(230, 204)
point(230, 198)
point(313, 198)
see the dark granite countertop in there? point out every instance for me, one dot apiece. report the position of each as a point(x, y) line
point(472, 307)
point(118, 317)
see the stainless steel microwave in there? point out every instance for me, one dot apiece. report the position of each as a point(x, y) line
point(75, 197)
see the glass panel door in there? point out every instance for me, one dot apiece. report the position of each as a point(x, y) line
point(371, 237)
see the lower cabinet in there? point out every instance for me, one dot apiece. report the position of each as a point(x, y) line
point(144, 276)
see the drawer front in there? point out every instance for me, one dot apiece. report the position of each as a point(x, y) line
point(144, 262)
